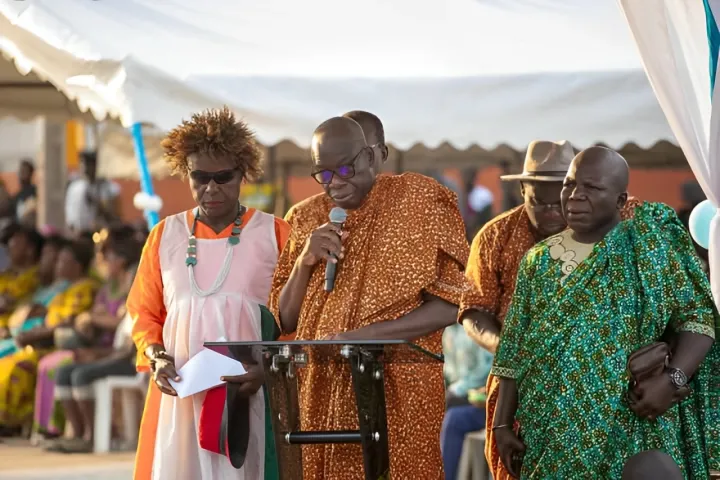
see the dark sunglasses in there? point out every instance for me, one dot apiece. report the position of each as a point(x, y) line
point(221, 177)
point(324, 177)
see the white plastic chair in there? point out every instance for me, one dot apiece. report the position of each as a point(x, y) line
point(129, 387)
point(473, 465)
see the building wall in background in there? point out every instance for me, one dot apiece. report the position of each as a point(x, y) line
point(651, 185)
point(19, 140)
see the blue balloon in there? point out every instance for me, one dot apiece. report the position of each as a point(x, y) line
point(699, 222)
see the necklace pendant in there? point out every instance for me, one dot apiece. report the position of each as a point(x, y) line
point(233, 240)
point(191, 261)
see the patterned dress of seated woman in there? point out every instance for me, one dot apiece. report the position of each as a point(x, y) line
point(21, 279)
point(18, 370)
point(88, 343)
point(31, 314)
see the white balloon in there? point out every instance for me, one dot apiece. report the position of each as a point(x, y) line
point(699, 223)
point(143, 201)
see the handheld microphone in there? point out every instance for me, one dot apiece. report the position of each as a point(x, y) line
point(337, 217)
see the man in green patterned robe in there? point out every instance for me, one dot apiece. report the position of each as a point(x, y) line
point(585, 300)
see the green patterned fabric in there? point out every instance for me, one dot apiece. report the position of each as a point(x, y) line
point(567, 344)
point(270, 332)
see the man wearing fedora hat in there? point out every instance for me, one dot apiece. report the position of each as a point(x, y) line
point(499, 247)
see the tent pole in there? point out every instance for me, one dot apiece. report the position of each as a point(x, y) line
point(145, 178)
point(400, 162)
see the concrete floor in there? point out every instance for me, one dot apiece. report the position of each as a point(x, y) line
point(21, 461)
point(120, 472)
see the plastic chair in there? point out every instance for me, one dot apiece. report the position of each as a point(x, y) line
point(128, 386)
point(473, 465)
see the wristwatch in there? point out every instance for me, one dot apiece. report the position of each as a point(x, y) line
point(159, 355)
point(677, 377)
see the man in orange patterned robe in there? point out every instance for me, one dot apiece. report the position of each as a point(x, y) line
point(402, 253)
point(497, 250)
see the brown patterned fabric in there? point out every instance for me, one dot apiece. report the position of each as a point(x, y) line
point(495, 256)
point(407, 239)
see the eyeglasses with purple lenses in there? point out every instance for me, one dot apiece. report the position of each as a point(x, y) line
point(324, 177)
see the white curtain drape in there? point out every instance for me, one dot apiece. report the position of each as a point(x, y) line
point(672, 38)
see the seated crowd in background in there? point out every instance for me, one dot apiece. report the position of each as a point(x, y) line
point(63, 326)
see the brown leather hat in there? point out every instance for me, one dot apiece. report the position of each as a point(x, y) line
point(545, 162)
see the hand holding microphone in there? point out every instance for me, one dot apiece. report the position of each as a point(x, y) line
point(337, 219)
point(325, 243)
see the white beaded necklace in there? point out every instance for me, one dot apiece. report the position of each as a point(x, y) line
point(191, 258)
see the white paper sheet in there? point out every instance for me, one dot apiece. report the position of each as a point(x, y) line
point(203, 372)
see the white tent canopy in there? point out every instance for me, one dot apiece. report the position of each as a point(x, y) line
point(466, 72)
point(39, 76)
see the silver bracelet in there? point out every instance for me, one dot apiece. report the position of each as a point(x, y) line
point(498, 427)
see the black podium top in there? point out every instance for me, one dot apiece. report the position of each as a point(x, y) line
point(330, 351)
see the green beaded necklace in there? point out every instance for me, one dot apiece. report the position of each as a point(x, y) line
point(233, 239)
